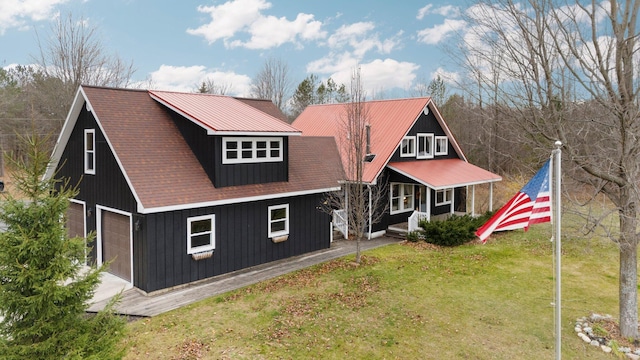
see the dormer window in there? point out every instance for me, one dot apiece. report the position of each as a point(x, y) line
point(442, 145)
point(408, 146)
point(90, 151)
point(425, 146)
point(243, 150)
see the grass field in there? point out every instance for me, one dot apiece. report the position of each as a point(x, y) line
point(475, 301)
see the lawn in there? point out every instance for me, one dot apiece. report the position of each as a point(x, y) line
point(475, 301)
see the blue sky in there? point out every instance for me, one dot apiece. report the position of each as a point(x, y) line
point(178, 44)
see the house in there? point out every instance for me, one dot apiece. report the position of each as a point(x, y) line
point(412, 152)
point(180, 187)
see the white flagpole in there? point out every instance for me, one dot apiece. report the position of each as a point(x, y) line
point(556, 205)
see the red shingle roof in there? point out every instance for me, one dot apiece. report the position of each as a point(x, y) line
point(161, 168)
point(390, 121)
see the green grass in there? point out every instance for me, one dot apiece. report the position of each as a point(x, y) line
point(475, 301)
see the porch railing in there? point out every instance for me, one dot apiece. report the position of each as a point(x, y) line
point(415, 218)
point(340, 222)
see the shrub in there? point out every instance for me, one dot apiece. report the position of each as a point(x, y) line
point(454, 231)
point(413, 236)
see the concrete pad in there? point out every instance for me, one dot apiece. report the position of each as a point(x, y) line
point(110, 285)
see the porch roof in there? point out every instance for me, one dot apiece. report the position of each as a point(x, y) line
point(443, 174)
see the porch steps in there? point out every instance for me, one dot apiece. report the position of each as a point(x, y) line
point(397, 232)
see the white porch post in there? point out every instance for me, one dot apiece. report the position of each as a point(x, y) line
point(490, 196)
point(428, 190)
point(473, 200)
point(453, 201)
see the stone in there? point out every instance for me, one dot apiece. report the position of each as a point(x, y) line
point(633, 356)
point(605, 348)
point(577, 329)
point(584, 337)
point(594, 343)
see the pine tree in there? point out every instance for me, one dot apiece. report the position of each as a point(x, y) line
point(44, 294)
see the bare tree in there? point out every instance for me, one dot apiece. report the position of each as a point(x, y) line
point(273, 82)
point(210, 86)
point(363, 203)
point(73, 55)
point(568, 71)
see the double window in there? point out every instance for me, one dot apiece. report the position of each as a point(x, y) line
point(401, 198)
point(425, 146)
point(251, 150)
point(278, 220)
point(444, 197)
point(90, 151)
point(200, 234)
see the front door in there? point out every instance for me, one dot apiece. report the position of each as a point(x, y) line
point(422, 198)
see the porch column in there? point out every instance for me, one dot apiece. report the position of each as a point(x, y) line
point(428, 190)
point(453, 201)
point(490, 196)
point(473, 200)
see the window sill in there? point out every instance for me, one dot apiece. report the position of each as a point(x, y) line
point(202, 255)
point(279, 239)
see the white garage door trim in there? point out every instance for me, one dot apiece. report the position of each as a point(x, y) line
point(99, 210)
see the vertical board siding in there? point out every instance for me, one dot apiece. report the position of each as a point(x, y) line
point(108, 187)
point(241, 239)
point(426, 124)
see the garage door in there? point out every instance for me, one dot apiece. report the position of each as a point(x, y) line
point(75, 220)
point(116, 243)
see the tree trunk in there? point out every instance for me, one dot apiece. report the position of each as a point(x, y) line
point(628, 274)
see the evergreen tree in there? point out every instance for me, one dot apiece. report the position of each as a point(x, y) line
point(44, 293)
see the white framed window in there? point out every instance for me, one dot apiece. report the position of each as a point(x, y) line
point(444, 196)
point(201, 233)
point(278, 220)
point(401, 198)
point(236, 150)
point(408, 146)
point(425, 146)
point(90, 151)
point(442, 145)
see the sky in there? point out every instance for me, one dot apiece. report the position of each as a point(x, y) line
point(175, 45)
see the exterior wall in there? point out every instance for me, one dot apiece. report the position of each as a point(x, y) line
point(208, 150)
point(108, 187)
point(427, 124)
point(241, 240)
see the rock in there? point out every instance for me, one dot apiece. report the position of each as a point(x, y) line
point(624, 349)
point(588, 330)
point(577, 329)
point(584, 337)
point(633, 356)
point(594, 343)
point(605, 348)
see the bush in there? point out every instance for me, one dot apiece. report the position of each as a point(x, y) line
point(454, 231)
point(413, 236)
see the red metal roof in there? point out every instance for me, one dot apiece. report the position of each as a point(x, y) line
point(390, 121)
point(442, 174)
point(222, 114)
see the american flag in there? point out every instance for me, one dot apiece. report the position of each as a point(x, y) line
point(531, 205)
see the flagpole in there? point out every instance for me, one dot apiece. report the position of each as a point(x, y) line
point(556, 205)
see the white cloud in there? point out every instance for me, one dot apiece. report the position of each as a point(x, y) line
point(17, 13)
point(379, 75)
point(357, 36)
point(188, 78)
point(446, 11)
point(438, 33)
point(237, 17)
point(424, 11)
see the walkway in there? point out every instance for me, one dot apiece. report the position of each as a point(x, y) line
point(135, 303)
